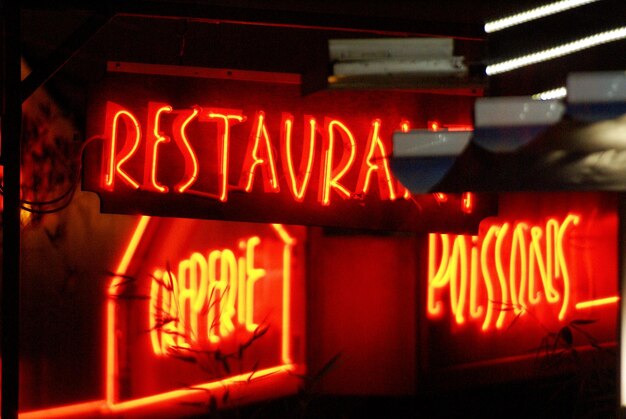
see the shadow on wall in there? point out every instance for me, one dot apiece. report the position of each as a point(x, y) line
point(67, 249)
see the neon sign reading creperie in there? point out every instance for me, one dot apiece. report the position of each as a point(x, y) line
point(211, 305)
point(205, 299)
point(329, 148)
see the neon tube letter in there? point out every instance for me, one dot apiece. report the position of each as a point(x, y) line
point(330, 174)
point(154, 137)
point(180, 136)
point(259, 154)
point(298, 183)
point(376, 161)
point(224, 118)
point(112, 159)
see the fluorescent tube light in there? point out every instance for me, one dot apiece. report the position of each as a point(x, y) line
point(558, 51)
point(423, 66)
point(558, 93)
point(532, 14)
point(389, 48)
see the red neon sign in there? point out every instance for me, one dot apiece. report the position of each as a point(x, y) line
point(512, 267)
point(206, 299)
point(552, 267)
point(123, 129)
point(546, 263)
point(163, 355)
point(237, 151)
point(233, 299)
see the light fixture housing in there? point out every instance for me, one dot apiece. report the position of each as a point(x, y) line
point(597, 95)
point(421, 158)
point(504, 124)
point(416, 62)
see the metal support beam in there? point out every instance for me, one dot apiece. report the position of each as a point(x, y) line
point(11, 134)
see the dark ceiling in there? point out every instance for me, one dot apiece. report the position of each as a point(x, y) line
point(67, 43)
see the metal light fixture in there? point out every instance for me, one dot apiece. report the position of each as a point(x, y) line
point(598, 95)
point(504, 124)
point(421, 158)
point(407, 62)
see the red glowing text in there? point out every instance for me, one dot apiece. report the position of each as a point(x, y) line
point(206, 298)
point(509, 268)
point(329, 147)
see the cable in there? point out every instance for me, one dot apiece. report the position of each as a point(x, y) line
point(66, 197)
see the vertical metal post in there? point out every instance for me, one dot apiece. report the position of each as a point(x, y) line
point(11, 135)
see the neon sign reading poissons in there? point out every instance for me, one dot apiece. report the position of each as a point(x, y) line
point(513, 266)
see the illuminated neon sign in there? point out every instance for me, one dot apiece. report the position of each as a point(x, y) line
point(124, 134)
point(236, 151)
point(211, 303)
point(208, 298)
point(200, 310)
point(512, 268)
point(534, 283)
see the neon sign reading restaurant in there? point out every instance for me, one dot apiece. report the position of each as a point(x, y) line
point(245, 151)
point(124, 134)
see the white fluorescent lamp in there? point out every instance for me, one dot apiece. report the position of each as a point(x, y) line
point(598, 95)
point(394, 56)
point(417, 66)
point(504, 124)
point(533, 14)
point(557, 93)
point(421, 158)
point(366, 49)
point(558, 51)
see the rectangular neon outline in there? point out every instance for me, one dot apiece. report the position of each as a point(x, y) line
point(109, 406)
point(181, 393)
